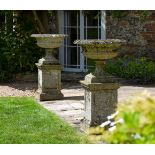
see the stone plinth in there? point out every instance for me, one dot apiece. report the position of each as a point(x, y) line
point(100, 87)
point(49, 69)
point(49, 82)
point(100, 101)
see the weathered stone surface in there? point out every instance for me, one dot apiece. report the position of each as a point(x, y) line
point(49, 58)
point(49, 70)
point(70, 102)
point(54, 95)
point(100, 88)
point(101, 78)
point(77, 106)
point(100, 101)
point(49, 82)
point(100, 49)
point(71, 113)
point(136, 29)
point(49, 40)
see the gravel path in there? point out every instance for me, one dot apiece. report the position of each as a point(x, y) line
point(69, 89)
point(18, 89)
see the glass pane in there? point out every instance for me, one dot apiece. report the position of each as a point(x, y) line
point(92, 33)
point(71, 51)
point(91, 18)
point(72, 35)
point(99, 33)
point(72, 18)
point(92, 30)
point(73, 57)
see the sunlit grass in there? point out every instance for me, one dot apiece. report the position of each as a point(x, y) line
point(23, 121)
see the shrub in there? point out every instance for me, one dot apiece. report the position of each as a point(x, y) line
point(90, 65)
point(140, 69)
point(138, 122)
point(18, 51)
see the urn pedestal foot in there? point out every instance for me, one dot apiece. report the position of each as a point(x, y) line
point(54, 95)
point(100, 102)
point(49, 82)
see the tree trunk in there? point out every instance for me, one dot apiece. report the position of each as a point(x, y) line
point(41, 18)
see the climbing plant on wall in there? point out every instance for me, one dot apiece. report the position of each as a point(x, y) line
point(119, 14)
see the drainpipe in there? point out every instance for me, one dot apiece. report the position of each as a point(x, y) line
point(103, 24)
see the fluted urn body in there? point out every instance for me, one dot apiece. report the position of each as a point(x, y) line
point(100, 87)
point(49, 69)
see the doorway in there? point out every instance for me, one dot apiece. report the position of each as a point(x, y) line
point(79, 25)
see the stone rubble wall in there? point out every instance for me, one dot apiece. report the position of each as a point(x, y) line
point(140, 33)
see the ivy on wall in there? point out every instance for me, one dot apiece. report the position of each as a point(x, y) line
point(119, 14)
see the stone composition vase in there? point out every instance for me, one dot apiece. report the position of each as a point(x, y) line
point(49, 69)
point(100, 87)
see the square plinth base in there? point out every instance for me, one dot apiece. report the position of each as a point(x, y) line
point(49, 82)
point(49, 96)
point(100, 102)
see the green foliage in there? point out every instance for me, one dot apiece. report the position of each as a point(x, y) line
point(138, 122)
point(119, 13)
point(90, 65)
point(140, 69)
point(144, 14)
point(19, 51)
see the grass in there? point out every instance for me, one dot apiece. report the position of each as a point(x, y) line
point(23, 121)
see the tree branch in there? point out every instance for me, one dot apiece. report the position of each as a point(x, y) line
point(41, 28)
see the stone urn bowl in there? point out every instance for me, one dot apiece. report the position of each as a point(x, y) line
point(49, 42)
point(100, 51)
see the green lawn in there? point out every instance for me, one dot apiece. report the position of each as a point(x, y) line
point(23, 121)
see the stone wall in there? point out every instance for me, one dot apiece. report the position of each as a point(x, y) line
point(137, 29)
